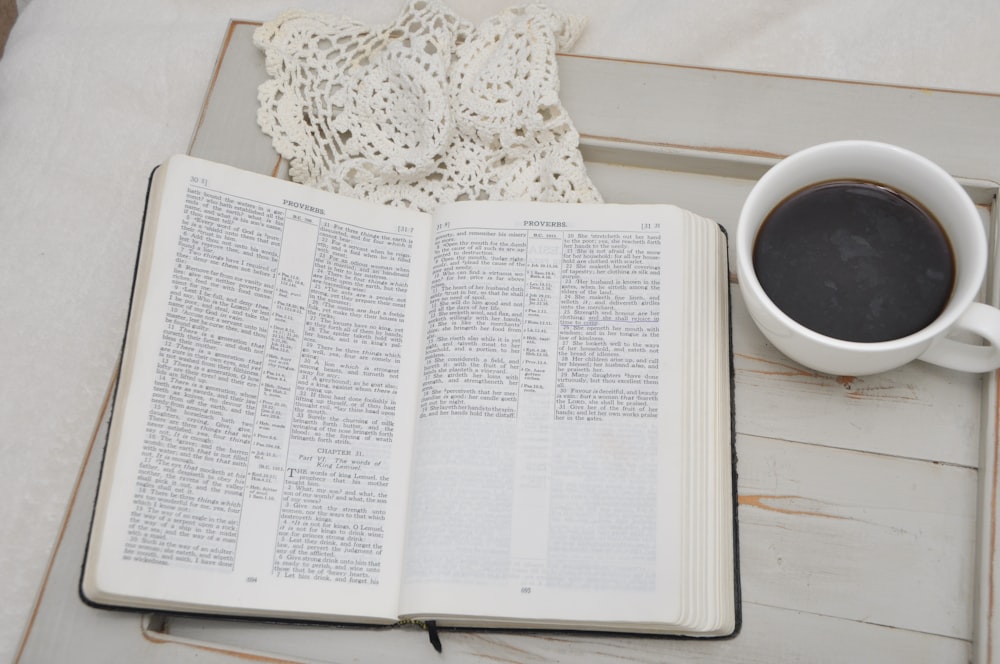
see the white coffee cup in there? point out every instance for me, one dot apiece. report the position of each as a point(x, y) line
point(937, 192)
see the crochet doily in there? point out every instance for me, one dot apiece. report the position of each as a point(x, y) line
point(426, 110)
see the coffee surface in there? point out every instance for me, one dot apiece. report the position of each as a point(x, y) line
point(855, 261)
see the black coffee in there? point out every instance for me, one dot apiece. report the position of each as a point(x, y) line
point(855, 261)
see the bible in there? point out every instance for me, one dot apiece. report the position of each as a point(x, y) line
point(500, 415)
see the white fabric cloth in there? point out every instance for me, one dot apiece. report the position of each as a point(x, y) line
point(425, 110)
point(93, 94)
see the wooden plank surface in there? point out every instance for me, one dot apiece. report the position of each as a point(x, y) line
point(863, 501)
point(986, 592)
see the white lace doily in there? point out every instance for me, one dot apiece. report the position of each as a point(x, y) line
point(427, 110)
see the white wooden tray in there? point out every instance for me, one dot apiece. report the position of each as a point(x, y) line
point(868, 506)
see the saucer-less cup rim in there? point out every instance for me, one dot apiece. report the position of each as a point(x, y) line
point(888, 165)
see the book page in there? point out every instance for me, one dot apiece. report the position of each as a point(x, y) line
point(547, 468)
point(260, 446)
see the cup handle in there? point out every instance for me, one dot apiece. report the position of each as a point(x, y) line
point(981, 320)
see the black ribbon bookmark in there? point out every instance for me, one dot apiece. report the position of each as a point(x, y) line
point(428, 626)
point(432, 634)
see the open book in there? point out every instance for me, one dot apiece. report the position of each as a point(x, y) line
point(501, 415)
